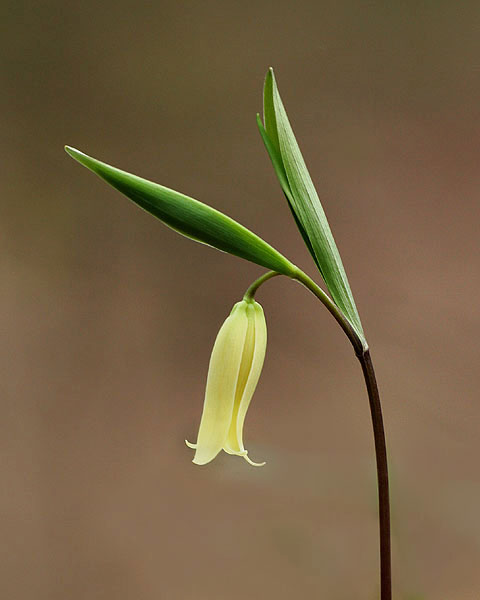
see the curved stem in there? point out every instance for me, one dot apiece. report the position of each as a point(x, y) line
point(359, 345)
point(363, 354)
point(250, 293)
point(382, 475)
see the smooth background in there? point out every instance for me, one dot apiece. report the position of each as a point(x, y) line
point(107, 318)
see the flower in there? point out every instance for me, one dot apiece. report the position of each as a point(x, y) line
point(235, 367)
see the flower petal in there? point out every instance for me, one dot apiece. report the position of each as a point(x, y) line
point(256, 368)
point(221, 385)
point(252, 360)
point(233, 444)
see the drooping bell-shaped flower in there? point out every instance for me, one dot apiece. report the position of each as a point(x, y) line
point(235, 367)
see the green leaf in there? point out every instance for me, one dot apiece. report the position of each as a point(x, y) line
point(190, 217)
point(297, 185)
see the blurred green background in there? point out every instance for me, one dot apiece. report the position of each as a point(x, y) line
point(107, 318)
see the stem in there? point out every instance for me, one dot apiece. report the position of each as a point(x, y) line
point(359, 346)
point(382, 475)
point(363, 354)
point(250, 293)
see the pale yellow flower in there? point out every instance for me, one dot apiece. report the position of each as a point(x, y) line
point(235, 367)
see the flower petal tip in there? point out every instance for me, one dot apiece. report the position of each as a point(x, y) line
point(244, 454)
point(200, 463)
point(190, 445)
point(254, 464)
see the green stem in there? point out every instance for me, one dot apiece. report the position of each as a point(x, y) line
point(250, 293)
point(359, 346)
point(363, 354)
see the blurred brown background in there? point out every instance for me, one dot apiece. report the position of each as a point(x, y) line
point(107, 318)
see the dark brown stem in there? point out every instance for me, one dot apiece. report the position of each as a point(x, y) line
point(363, 354)
point(382, 475)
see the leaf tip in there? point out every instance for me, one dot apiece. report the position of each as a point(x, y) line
point(85, 160)
point(74, 153)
